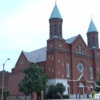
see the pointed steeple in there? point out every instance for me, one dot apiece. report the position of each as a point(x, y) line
point(55, 13)
point(55, 22)
point(92, 27)
point(92, 36)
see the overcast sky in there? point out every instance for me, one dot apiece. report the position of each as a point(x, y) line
point(24, 24)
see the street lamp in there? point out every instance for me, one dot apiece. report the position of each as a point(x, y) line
point(3, 78)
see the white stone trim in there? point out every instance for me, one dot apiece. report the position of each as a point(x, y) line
point(54, 81)
point(80, 78)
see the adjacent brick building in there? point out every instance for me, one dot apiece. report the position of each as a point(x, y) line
point(70, 61)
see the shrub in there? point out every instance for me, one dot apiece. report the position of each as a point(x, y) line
point(66, 96)
point(55, 91)
point(52, 96)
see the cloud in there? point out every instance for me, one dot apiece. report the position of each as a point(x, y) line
point(22, 31)
point(28, 27)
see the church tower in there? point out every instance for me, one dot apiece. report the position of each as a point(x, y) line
point(55, 22)
point(56, 50)
point(92, 36)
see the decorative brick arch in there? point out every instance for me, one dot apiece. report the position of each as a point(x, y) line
point(81, 87)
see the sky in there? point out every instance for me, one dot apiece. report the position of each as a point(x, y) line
point(24, 24)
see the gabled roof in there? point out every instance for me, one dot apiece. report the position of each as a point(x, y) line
point(70, 40)
point(55, 13)
point(40, 54)
point(36, 56)
point(82, 75)
point(92, 27)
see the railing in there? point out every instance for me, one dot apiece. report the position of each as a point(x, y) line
point(78, 96)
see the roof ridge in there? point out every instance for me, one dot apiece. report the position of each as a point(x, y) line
point(35, 56)
point(34, 50)
point(70, 40)
point(37, 49)
point(72, 37)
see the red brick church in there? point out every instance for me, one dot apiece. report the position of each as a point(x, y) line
point(70, 61)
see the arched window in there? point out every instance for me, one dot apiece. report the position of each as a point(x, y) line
point(80, 48)
point(83, 51)
point(93, 41)
point(91, 73)
point(55, 29)
point(81, 87)
point(97, 41)
point(67, 70)
point(50, 30)
point(89, 41)
point(60, 30)
point(77, 50)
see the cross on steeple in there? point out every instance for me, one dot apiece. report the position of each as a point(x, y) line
point(91, 16)
point(55, 1)
point(55, 21)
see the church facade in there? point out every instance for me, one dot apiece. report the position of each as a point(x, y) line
point(69, 61)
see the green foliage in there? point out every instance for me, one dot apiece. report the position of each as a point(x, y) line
point(52, 89)
point(55, 90)
point(5, 93)
point(66, 96)
point(60, 88)
point(52, 92)
point(51, 96)
point(97, 89)
point(34, 80)
point(6, 72)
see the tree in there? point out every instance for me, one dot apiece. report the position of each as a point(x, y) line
point(34, 80)
point(60, 88)
point(52, 91)
point(97, 87)
point(5, 93)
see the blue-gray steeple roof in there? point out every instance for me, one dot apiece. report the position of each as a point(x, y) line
point(92, 27)
point(55, 13)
